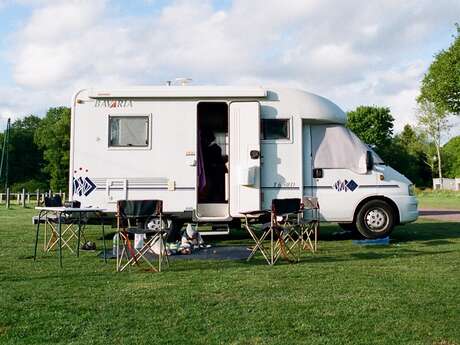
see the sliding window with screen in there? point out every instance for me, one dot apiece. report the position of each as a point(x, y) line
point(129, 131)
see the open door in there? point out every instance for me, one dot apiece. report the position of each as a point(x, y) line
point(244, 157)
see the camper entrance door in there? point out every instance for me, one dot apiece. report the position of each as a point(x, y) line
point(244, 158)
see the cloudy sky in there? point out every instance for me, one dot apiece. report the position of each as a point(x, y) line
point(352, 52)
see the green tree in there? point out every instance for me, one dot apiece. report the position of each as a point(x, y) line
point(373, 125)
point(53, 136)
point(25, 157)
point(413, 154)
point(441, 84)
point(435, 123)
point(451, 152)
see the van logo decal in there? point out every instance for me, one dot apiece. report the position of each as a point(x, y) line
point(113, 103)
point(83, 186)
point(345, 185)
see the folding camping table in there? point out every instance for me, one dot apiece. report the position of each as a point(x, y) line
point(75, 225)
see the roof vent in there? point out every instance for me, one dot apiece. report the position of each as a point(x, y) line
point(183, 81)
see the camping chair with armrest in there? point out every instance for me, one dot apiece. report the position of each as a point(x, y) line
point(309, 224)
point(132, 219)
point(281, 231)
point(284, 229)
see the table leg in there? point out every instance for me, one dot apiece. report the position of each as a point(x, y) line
point(272, 261)
point(79, 234)
point(60, 238)
point(36, 235)
point(103, 239)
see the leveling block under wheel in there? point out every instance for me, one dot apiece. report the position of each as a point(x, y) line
point(385, 241)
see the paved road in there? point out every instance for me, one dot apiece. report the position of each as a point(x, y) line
point(440, 214)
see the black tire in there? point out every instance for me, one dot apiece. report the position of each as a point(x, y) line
point(375, 219)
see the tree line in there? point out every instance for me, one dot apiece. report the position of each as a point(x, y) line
point(39, 148)
point(38, 151)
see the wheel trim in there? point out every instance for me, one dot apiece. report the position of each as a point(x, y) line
point(376, 219)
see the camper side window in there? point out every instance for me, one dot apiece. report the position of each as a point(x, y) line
point(273, 129)
point(128, 131)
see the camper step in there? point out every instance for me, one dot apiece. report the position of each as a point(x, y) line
point(217, 229)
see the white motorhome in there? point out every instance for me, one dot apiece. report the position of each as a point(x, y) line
point(213, 152)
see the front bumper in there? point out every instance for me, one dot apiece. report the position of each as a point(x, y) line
point(408, 208)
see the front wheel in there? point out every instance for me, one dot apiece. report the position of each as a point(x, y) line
point(375, 219)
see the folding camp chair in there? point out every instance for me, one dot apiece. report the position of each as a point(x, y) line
point(251, 218)
point(132, 219)
point(309, 224)
point(282, 231)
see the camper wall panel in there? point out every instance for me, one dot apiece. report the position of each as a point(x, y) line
point(172, 143)
point(280, 171)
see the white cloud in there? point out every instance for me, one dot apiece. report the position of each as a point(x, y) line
point(353, 52)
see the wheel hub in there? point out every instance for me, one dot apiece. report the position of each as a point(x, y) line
point(376, 219)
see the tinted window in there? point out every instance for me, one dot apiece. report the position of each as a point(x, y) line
point(128, 131)
point(275, 129)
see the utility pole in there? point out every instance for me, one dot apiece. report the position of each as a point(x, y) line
point(4, 162)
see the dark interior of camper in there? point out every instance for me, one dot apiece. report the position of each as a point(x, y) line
point(212, 152)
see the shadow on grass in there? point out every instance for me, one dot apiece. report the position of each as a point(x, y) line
point(429, 231)
point(435, 232)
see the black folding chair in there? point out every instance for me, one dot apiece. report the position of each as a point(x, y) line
point(284, 226)
point(282, 231)
point(310, 224)
point(132, 219)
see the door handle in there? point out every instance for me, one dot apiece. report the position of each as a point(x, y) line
point(318, 173)
point(255, 154)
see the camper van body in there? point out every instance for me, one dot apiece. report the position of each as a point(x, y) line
point(266, 135)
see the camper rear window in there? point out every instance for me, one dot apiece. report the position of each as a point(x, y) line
point(128, 131)
point(272, 129)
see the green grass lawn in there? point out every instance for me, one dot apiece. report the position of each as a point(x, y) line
point(439, 199)
point(405, 293)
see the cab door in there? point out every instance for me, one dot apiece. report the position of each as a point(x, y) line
point(244, 157)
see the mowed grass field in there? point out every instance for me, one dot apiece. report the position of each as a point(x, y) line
point(404, 293)
point(439, 200)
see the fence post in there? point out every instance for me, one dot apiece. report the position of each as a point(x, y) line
point(23, 197)
point(38, 197)
point(18, 198)
point(28, 198)
point(7, 198)
point(63, 198)
point(1, 198)
point(49, 193)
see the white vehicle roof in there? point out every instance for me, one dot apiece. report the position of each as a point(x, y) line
point(284, 101)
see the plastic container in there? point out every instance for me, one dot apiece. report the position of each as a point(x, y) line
point(115, 241)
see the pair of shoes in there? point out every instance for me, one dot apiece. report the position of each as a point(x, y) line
point(89, 246)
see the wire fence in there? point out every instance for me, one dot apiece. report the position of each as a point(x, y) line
point(25, 198)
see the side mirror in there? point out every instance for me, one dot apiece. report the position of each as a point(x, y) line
point(369, 160)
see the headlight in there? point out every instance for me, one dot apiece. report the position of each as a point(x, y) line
point(411, 189)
